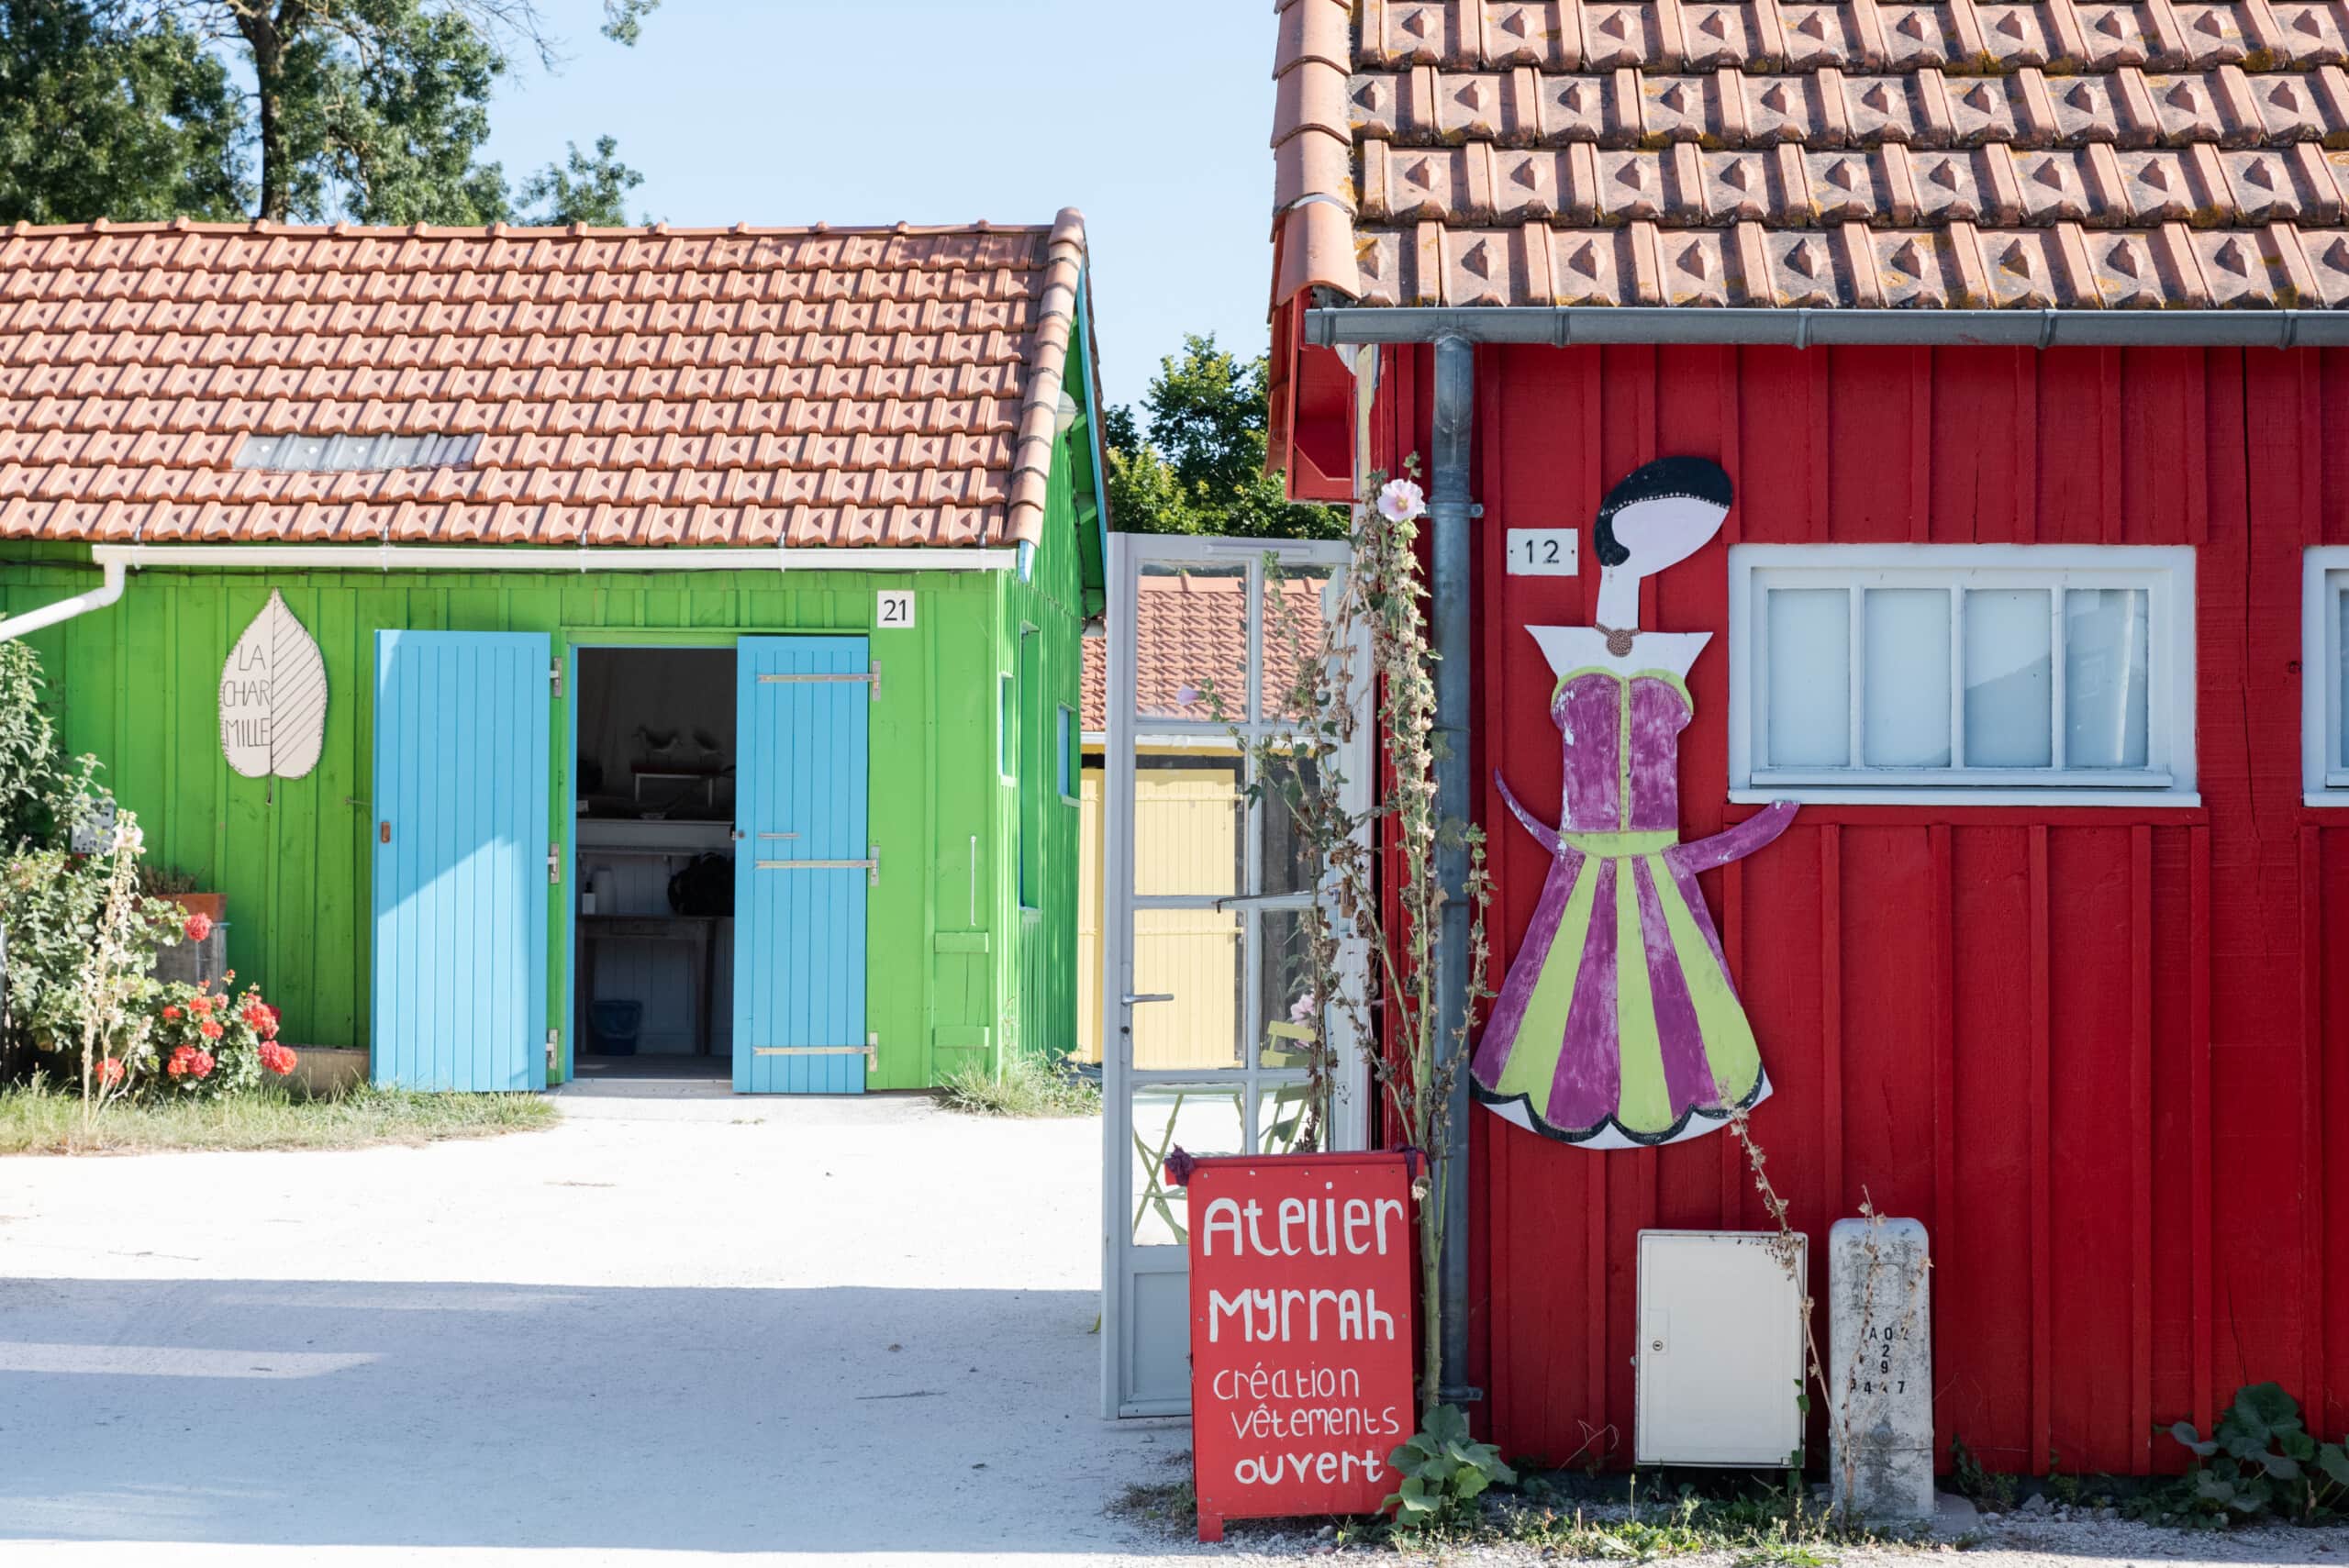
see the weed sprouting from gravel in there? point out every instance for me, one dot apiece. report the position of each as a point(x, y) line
point(1026, 1087)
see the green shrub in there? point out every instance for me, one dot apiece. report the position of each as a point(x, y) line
point(2258, 1462)
point(1444, 1469)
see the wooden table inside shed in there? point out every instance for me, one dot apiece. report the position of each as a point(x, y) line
point(698, 930)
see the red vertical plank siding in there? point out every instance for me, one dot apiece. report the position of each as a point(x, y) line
point(1831, 1194)
point(1941, 896)
point(2333, 1041)
point(2042, 1295)
point(2136, 1444)
point(2201, 1148)
point(2096, 1049)
point(2311, 1112)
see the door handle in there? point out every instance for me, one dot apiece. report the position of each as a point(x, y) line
point(383, 832)
point(1132, 1000)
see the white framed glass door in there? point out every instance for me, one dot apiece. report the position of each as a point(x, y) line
point(1207, 1011)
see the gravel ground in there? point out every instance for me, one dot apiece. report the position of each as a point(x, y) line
point(1961, 1538)
point(666, 1330)
point(677, 1327)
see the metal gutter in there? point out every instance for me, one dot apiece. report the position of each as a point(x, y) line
point(499, 558)
point(1450, 511)
point(1561, 324)
point(97, 598)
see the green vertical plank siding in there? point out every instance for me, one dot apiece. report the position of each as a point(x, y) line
point(957, 973)
point(1035, 970)
point(137, 685)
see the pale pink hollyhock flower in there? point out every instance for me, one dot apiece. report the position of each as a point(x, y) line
point(1401, 501)
point(1186, 695)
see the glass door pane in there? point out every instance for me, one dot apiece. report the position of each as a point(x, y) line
point(1191, 626)
point(1194, 957)
point(1210, 1020)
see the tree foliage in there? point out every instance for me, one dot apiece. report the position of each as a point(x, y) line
point(588, 188)
point(1198, 465)
point(102, 119)
point(375, 111)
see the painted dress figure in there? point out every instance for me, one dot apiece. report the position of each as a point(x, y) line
point(1619, 1025)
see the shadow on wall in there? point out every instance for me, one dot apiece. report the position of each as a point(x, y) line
point(276, 1413)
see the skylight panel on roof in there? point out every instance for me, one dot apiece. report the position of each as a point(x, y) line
point(344, 454)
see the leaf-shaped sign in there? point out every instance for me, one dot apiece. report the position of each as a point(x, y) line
point(274, 698)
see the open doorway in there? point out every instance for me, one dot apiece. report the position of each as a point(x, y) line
point(653, 955)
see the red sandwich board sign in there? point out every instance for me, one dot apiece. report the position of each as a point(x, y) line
point(1301, 1292)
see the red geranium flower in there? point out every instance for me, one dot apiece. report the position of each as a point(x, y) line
point(110, 1070)
point(200, 1005)
point(201, 1064)
point(196, 927)
point(210, 1029)
point(278, 1059)
point(173, 1014)
point(184, 1059)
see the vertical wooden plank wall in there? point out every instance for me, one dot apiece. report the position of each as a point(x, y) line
point(135, 685)
point(2096, 1051)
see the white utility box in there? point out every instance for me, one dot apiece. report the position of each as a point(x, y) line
point(1721, 1362)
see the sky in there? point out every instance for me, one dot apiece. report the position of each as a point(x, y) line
point(1154, 120)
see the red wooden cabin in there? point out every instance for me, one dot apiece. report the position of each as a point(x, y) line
point(2049, 283)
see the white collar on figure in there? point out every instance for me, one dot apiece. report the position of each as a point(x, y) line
point(1572, 648)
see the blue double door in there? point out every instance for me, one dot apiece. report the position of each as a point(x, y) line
point(464, 858)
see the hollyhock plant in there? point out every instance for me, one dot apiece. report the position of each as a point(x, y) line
point(1401, 501)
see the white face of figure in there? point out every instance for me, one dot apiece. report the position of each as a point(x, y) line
point(1665, 531)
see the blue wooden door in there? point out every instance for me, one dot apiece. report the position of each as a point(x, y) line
point(461, 860)
point(802, 865)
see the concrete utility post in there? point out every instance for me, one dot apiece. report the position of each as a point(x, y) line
point(1451, 511)
point(1879, 1303)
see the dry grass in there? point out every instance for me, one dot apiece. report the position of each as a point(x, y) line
point(46, 1119)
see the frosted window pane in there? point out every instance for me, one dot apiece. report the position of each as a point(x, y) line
point(2009, 704)
point(1906, 724)
point(2105, 681)
point(1810, 678)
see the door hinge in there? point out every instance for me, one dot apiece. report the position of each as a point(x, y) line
point(554, 677)
point(554, 865)
point(872, 865)
point(554, 1049)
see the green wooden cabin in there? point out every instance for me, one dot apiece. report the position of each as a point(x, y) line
point(748, 567)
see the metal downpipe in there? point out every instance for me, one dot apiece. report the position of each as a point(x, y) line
point(1451, 510)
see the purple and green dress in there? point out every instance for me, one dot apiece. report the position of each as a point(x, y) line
point(1619, 1025)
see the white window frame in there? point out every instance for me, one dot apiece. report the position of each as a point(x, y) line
point(2325, 571)
point(2164, 572)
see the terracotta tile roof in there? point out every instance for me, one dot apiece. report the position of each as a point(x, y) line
point(739, 387)
point(1188, 629)
point(1790, 152)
